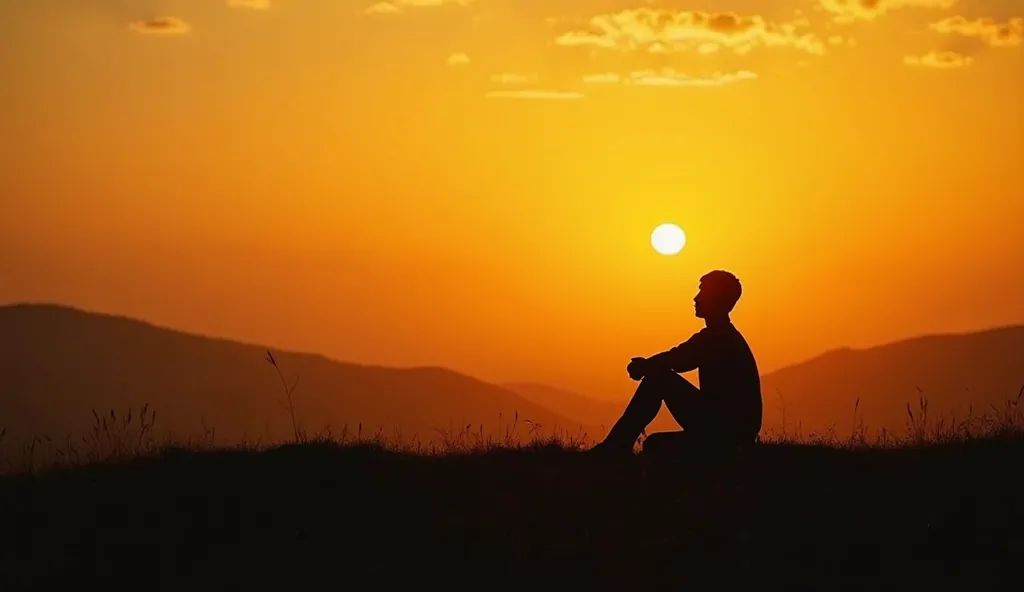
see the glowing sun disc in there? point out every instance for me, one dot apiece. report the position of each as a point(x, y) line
point(668, 239)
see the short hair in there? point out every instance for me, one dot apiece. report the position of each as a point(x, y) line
point(723, 286)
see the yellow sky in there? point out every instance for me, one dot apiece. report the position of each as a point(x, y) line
point(473, 184)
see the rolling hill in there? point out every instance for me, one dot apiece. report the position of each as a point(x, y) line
point(957, 374)
point(59, 363)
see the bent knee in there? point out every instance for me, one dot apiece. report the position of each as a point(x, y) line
point(662, 376)
point(665, 380)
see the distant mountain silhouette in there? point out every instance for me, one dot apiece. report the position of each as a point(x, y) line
point(953, 372)
point(58, 363)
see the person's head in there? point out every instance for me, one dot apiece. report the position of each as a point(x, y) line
point(718, 293)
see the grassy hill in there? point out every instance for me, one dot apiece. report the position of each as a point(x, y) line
point(58, 364)
point(538, 517)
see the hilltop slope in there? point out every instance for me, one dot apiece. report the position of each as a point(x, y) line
point(955, 373)
point(58, 363)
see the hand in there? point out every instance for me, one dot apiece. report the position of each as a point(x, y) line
point(636, 368)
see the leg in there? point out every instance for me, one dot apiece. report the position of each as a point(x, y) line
point(665, 445)
point(681, 398)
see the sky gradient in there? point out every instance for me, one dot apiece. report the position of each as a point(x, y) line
point(473, 183)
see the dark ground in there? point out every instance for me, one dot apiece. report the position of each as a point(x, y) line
point(329, 516)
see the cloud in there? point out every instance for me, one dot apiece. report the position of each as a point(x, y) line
point(671, 77)
point(458, 59)
point(667, 30)
point(510, 78)
point(433, 2)
point(382, 8)
point(395, 6)
point(253, 4)
point(839, 41)
point(535, 94)
point(988, 30)
point(943, 60)
point(161, 25)
point(602, 78)
point(845, 11)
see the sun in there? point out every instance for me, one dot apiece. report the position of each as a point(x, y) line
point(668, 239)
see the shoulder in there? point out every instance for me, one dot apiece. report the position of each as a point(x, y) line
point(700, 337)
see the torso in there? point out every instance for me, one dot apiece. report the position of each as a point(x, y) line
point(729, 375)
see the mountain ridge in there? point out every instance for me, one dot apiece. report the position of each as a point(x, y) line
point(907, 341)
point(954, 374)
point(61, 362)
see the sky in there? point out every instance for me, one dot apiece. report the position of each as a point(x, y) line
point(473, 183)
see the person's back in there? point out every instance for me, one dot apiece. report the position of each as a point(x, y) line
point(730, 380)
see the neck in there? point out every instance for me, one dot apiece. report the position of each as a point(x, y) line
point(717, 321)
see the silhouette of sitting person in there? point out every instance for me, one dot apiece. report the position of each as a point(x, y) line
point(725, 411)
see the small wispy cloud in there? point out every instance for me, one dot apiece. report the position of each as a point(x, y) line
point(510, 78)
point(672, 77)
point(382, 8)
point(458, 59)
point(988, 30)
point(535, 94)
point(668, 77)
point(602, 78)
point(838, 40)
point(395, 6)
point(252, 4)
point(161, 25)
point(945, 60)
point(846, 11)
point(434, 2)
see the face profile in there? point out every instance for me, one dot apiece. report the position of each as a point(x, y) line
point(717, 295)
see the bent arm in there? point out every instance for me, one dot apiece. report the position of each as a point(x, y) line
point(682, 358)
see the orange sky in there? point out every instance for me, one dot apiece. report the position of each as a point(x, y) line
point(473, 184)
